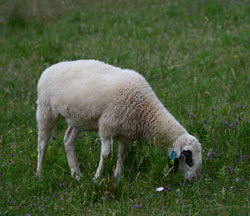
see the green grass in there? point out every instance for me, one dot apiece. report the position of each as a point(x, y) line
point(195, 55)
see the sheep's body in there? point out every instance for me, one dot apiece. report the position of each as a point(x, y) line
point(94, 96)
point(90, 94)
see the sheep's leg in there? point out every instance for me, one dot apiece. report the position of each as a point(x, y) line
point(119, 164)
point(105, 152)
point(46, 123)
point(43, 139)
point(69, 143)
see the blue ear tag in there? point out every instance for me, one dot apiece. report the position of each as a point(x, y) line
point(172, 157)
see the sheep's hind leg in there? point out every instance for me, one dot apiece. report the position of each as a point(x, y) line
point(69, 143)
point(119, 164)
point(105, 152)
point(46, 122)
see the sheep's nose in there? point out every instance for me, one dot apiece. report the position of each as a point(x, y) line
point(193, 179)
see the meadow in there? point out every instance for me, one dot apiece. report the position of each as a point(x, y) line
point(196, 56)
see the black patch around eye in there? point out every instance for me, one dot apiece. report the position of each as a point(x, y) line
point(189, 159)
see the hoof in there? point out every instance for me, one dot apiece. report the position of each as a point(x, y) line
point(117, 174)
point(77, 176)
point(39, 174)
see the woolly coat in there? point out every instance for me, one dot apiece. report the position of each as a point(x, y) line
point(92, 95)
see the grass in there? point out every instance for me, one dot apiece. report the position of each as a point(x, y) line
point(195, 55)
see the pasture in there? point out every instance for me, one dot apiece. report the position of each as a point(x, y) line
point(195, 54)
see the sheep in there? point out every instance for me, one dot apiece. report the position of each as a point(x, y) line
point(118, 104)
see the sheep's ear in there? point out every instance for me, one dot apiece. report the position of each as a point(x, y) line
point(177, 149)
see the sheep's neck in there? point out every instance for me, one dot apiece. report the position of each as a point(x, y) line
point(167, 129)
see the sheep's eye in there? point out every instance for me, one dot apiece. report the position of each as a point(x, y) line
point(189, 159)
point(182, 157)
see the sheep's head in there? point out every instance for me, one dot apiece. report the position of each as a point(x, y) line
point(188, 156)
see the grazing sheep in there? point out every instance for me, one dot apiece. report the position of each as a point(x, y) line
point(119, 104)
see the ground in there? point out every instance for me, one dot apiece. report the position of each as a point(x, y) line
point(195, 55)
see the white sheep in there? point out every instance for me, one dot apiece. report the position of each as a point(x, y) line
point(119, 104)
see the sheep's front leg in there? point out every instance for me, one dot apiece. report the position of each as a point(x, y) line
point(69, 143)
point(105, 152)
point(119, 164)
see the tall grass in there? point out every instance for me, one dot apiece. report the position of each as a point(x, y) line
point(194, 54)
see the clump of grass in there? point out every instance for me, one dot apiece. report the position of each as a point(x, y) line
point(16, 19)
point(195, 55)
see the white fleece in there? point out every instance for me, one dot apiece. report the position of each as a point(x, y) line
point(94, 96)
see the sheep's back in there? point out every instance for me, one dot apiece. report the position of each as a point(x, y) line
point(86, 88)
